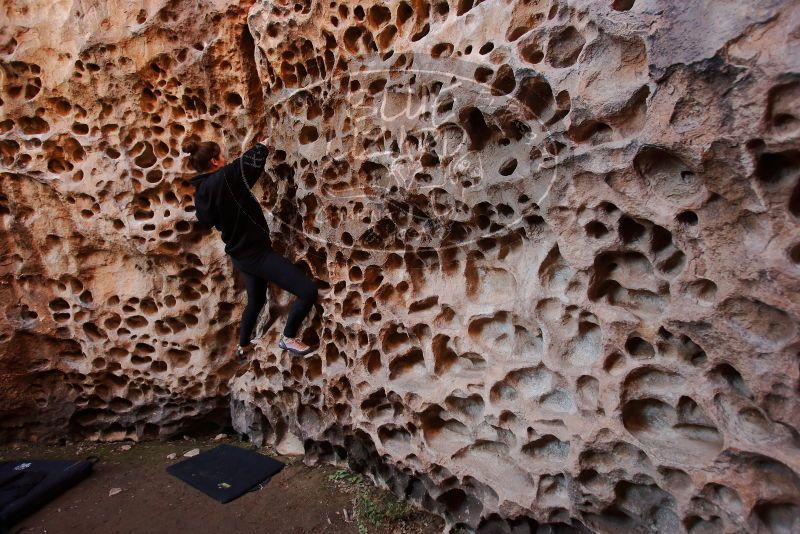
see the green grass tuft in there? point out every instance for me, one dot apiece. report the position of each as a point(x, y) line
point(343, 475)
point(372, 507)
point(379, 510)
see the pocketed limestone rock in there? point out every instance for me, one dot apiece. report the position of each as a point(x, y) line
point(556, 242)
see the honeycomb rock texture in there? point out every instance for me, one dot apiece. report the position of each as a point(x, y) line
point(557, 242)
point(116, 309)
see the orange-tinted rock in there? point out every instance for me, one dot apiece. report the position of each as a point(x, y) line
point(557, 244)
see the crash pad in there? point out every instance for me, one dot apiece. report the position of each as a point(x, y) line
point(226, 472)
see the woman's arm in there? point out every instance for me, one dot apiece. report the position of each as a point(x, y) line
point(252, 163)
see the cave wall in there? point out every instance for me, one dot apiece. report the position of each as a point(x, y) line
point(557, 244)
point(118, 314)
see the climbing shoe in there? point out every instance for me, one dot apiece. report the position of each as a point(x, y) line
point(242, 353)
point(282, 344)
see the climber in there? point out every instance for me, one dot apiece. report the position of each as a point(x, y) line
point(223, 200)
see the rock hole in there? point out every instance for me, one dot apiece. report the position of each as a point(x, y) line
point(629, 230)
point(687, 217)
point(773, 168)
point(308, 134)
point(639, 348)
point(564, 47)
point(442, 50)
point(622, 5)
point(475, 126)
point(595, 229)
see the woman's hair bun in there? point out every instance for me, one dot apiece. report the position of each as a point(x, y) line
point(201, 154)
point(190, 147)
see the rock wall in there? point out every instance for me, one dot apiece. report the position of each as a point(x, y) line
point(118, 315)
point(557, 242)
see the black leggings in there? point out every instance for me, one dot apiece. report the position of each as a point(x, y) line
point(269, 266)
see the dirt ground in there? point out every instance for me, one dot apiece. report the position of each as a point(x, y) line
point(299, 500)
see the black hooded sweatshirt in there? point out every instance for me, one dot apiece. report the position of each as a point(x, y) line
point(223, 200)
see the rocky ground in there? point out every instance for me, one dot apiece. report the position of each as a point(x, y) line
point(301, 499)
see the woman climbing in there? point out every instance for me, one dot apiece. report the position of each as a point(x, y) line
point(223, 200)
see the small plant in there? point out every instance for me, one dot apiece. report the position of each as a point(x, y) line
point(343, 475)
point(379, 510)
point(371, 506)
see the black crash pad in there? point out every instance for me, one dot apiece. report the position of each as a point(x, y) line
point(226, 472)
point(27, 485)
